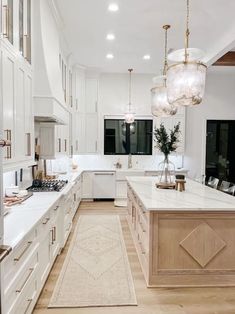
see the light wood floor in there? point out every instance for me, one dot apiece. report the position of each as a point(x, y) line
point(150, 301)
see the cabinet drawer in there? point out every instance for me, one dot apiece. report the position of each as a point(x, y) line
point(14, 292)
point(27, 300)
point(17, 258)
point(55, 211)
point(44, 225)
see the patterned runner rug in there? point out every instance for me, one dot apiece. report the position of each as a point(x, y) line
point(96, 271)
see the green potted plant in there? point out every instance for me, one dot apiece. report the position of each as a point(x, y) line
point(166, 144)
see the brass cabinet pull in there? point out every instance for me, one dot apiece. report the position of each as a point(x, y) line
point(28, 144)
point(6, 21)
point(27, 278)
point(54, 234)
point(29, 303)
point(4, 251)
point(5, 143)
point(65, 145)
point(8, 147)
point(55, 209)
point(59, 141)
point(46, 221)
point(16, 259)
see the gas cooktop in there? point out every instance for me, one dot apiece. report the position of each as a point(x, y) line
point(47, 185)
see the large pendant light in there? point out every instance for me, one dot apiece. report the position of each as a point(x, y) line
point(160, 106)
point(129, 114)
point(186, 78)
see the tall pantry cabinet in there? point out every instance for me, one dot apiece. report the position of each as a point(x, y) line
point(16, 80)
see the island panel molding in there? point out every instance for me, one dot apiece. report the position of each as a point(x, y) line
point(203, 244)
point(192, 247)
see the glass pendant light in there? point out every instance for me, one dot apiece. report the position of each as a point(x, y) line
point(187, 77)
point(160, 106)
point(129, 115)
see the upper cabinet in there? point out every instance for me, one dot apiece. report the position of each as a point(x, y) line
point(91, 95)
point(16, 26)
point(8, 20)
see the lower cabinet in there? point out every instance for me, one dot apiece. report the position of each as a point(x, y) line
point(25, 270)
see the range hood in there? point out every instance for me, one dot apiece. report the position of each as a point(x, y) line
point(48, 109)
point(48, 95)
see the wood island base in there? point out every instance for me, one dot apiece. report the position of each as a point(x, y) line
point(183, 249)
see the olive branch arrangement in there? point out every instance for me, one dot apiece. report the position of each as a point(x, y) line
point(165, 142)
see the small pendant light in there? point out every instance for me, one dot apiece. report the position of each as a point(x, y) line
point(129, 115)
point(160, 106)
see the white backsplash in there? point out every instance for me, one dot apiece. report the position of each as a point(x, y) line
point(103, 162)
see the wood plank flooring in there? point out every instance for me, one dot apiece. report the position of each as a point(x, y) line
point(150, 301)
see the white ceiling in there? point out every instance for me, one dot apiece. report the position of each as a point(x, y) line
point(138, 30)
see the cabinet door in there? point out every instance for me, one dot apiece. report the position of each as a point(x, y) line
point(87, 185)
point(81, 140)
point(91, 95)
point(55, 243)
point(7, 19)
point(91, 133)
point(28, 118)
point(20, 115)
point(8, 89)
point(44, 259)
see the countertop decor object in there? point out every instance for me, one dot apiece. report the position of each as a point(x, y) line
point(166, 143)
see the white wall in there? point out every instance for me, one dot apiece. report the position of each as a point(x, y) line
point(219, 103)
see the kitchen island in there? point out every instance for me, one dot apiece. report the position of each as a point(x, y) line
point(182, 238)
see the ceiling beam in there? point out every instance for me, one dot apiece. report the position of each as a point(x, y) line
point(227, 60)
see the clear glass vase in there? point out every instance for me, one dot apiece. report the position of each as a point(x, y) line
point(167, 172)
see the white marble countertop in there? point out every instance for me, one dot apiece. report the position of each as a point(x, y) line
point(195, 197)
point(23, 217)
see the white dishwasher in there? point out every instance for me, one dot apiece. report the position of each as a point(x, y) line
point(104, 185)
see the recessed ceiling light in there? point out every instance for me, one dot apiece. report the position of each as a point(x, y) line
point(113, 7)
point(109, 56)
point(146, 57)
point(110, 36)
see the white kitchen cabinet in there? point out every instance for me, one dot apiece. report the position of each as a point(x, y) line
point(87, 185)
point(121, 189)
point(54, 140)
point(170, 122)
point(18, 122)
point(8, 94)
point(16, 26)
point(85, 117)
point(91, 133)
point(24, 129)
point(91, 95)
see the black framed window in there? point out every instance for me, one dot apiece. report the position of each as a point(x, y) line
point(121, 138)
point(220, 152)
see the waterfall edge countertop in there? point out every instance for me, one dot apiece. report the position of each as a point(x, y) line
point(195, 197)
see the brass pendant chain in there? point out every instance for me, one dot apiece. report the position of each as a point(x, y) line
point(165, 27)
point(130, 71)
point(187, 34)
